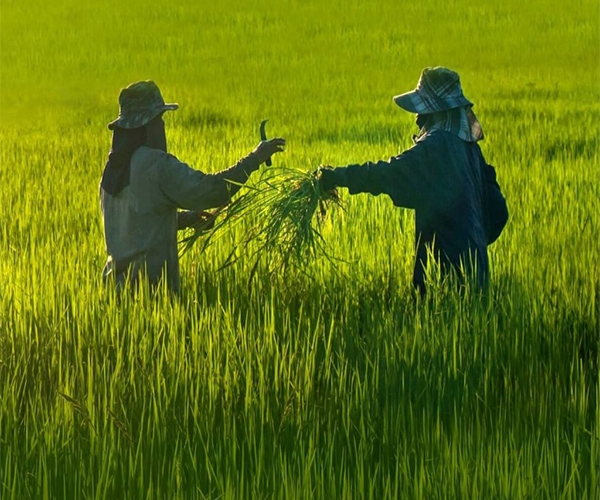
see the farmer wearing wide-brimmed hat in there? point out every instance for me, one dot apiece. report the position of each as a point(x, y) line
point(143, 186)
point(458, 204)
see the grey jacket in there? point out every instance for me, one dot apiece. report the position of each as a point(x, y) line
point(140, 222)
point(459, 207)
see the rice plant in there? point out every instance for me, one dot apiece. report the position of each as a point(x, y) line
point(324, 385)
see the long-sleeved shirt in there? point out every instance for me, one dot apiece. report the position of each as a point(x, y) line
point(459, 208)
point(140, 222)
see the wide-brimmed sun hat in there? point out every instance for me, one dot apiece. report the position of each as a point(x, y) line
point(139, 103)
point(438, 89)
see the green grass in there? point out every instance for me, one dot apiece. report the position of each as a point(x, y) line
point(335, 384)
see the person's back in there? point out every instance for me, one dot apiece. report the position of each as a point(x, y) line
point(449, 217)
point(143, 186)
point(141, 224)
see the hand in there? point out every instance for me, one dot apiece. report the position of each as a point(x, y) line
point(206, 221)
point(199, 221)
point(327, 178)
point(266, 149)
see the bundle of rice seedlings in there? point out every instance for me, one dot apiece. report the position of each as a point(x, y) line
point(290, 230)
point(212, 227)
point(288, 207)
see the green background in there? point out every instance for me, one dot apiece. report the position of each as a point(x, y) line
point(331, 385)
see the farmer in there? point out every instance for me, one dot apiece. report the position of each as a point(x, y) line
point(143, 186)
point(459, 208)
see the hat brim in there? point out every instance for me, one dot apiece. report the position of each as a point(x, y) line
point(140, 120)
point(415, 102)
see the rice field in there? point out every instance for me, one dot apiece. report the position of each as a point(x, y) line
point(331, 380)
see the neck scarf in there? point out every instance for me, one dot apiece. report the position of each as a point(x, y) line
point(116, 172)
point(458, 121)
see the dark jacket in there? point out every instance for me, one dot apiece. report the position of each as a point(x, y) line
point(459, 207)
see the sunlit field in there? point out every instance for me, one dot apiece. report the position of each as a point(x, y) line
point(330, 381)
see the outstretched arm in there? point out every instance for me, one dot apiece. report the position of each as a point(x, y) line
point(404, 178)
point(192, 189)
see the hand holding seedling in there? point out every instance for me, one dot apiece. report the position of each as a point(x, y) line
point(206, 220)
point(267, 148)
point(326, 177)
point(200, 221)
point(263, 139)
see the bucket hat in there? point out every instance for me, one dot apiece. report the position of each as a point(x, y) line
point(438, 89)
point(139, 103)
